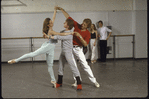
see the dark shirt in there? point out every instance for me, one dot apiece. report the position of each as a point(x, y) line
point(93, 35)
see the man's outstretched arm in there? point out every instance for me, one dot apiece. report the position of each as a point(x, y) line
point(64, 12)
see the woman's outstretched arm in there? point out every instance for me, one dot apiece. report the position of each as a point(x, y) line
point(54, 14)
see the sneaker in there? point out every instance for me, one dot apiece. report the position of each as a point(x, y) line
point(79, 87)
point(97, 84)
point(58, 85)
point(75, 84)
point(12, 61)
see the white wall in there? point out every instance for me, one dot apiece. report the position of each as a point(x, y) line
point(139, 25)
point(122, 22)
point(30, 25)
point(69, 5)
point(139, 5)
point(141, 34)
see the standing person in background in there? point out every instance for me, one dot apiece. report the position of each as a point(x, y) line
point(93, 42)
point(103, 35)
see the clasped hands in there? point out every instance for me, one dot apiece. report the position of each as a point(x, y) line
point(58, 8)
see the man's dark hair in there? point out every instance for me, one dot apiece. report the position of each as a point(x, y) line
point(100, 22)
point(70, 23)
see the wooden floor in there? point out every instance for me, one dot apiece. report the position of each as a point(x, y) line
point(117, 78)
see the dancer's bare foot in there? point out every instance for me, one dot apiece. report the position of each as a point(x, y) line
point(12, 61)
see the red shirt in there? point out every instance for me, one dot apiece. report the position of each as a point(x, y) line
point(85, 34)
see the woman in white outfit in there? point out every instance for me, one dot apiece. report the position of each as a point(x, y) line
point(93, 42)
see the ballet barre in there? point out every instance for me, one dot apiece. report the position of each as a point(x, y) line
point(121, 35)
point(31, 39)
point(42, 37)
point(113, 36)
point(133, 43)
point(21, 38)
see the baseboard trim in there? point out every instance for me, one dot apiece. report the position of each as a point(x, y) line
point(33, 61)
point(86, 59)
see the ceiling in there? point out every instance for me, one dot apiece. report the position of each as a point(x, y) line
point(12, 3)
point(38, 6)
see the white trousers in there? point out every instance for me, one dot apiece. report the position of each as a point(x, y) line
point(78, 53)
point(92, 41)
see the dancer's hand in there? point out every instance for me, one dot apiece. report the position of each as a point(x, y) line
point(77, 34)
point(45, 36)
point(94, 44)
point(98, 35)
point(59, 8)
point(56, 7)
point(52, 37)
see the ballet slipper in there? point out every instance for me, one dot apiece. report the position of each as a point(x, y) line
point(75, 84)
point(54, 83)
point(92, 62)
point(12, 61)
point(79, 87)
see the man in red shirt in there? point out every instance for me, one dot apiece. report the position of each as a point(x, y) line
point(80, 39)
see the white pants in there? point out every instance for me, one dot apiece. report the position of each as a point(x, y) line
point(92, 41)
point(78, 53)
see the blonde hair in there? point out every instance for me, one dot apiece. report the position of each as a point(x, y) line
point(88, 22)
